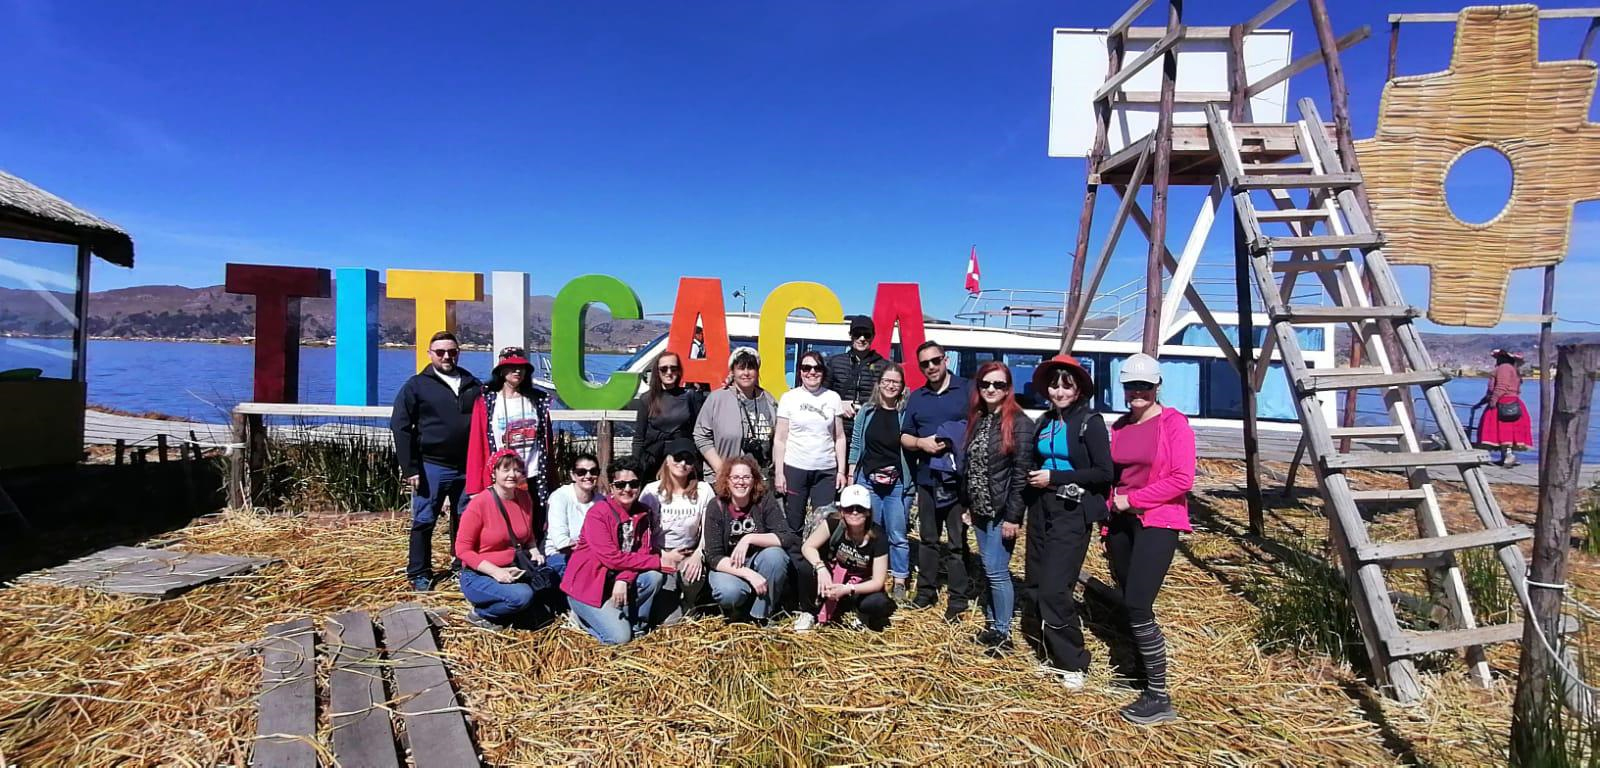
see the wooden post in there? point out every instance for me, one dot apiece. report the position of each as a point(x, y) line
point(1158, 189)
point(1560, 468)
point(1547, 384)
point(80, 333)
point(238, 458)
point(602, 448)
point(1394, 48)
point(122, 450)
point(161, 448)
point(1116, 45)
point(1247, 393)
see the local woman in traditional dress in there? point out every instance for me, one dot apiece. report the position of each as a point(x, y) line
point(1505, 425)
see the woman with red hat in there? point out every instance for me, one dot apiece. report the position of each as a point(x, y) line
point(1505, 425)
point(1067, 494)
point(514, 414)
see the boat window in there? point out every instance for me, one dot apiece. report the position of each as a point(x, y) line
point(1022, 365)
point(1195, 335)
point(1275, 401)
point(827, 348)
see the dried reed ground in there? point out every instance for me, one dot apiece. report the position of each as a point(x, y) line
point(90, 679)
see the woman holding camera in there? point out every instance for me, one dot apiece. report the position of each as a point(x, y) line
point(747, 543)
point(738, 420)
point(1068, 499)
point(999, 454)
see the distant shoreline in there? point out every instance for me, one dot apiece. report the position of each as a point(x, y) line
point(250, 341)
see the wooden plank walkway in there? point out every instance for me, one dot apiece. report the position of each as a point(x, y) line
point(436, 731)
point(286, 731)
point(362, 737)
point(158, 573)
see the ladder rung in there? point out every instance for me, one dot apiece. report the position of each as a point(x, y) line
point(1387, 430)
point(1322, 382)
point(1292, 214)
point(1389, 494)
point(1311, 265)
point(1387, 459)
point(1320, 242)
point(1295, 167)
point(1293, 181)
point(1338, 314)
point(1433, 545)
point(1414, 643)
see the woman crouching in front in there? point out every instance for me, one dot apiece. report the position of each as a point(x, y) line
point(747, 543)
point(850, 556)
point(617, 567)
point(494, 527)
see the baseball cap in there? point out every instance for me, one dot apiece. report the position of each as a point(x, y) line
point(1141, 368)
point(855, 496)
point(749, 352)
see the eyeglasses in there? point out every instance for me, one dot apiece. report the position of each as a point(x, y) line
point(683, 457)
point(866, 336)
point(627, 485)
point(895, 382)
point(809, 368)
point(931, 362)
point(669, 368)
point(998, 385)
point(451, 352)
point(585, 471)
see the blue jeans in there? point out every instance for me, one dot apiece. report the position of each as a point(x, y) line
point(437, 483)
point(557, 561)
point(736, 595)
point(891, 510)
point(996, 553)
point(612, 625)
point(499, 603)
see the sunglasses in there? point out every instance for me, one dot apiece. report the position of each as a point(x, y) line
point(809, 368)
point(585, 471)
point(669, 368)
point(627, 485)
point(683, 457)
point(996, 385)
point(866, 336)
point(1137, 386)
point(451, 352)
point(931, 362)
point(855, 510)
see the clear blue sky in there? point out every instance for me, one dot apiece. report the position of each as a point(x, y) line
point(842, 142)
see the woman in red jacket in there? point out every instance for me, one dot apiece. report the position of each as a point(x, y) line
point(514, 414)
point(493, 525)
point(1505, 425)
point(617, 566)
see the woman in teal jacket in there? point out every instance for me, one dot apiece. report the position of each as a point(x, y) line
point(881, 466)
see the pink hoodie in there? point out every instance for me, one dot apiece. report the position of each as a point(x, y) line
point(1164, 501)
point(601, 558)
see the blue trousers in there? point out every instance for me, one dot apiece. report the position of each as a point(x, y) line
point(437, 483)
point(891, 509)
point(612, 625)
point(736, 595)
point(995, 550)
point(499, 603)
point(557, 561)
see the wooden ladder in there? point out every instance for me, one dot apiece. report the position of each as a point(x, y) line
point(1329, 236)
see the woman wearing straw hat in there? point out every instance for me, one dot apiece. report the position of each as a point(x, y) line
point(512, 413)
point(747, 543)
point(618, 565)
point(999, 455)
point(1505, 425)
point(677, 499)
point(494, 526)
point(1068, 499)
point(738, 419)
point(1153, 448)
point(850, 557)
point(667, 411)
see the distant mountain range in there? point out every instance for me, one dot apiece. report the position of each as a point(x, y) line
point(211, 313)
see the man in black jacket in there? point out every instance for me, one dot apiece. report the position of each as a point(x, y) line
point(854, 372)
point(432, 419)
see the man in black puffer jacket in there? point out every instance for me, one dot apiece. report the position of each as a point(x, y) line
point(431, 421)
point(854, 372)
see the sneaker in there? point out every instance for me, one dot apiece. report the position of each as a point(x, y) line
point(988, 638)
point(572, 623)
point(952, 614)
point(422, 584)
point(1150, 709)
point(854, 622)
point(1072, 681)
point(479, 620)
point(804, 622)
point(922, 603)
point(899, 593)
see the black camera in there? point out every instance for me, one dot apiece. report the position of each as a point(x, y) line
point(1070, 492)
point(759, 450)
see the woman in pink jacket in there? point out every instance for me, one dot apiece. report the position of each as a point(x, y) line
point(617, 566)
point(1505, 425)
point(1153, 450)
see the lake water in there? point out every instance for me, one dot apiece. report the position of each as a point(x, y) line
point(202, 382)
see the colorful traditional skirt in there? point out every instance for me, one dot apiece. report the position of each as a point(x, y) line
point(1494, 432)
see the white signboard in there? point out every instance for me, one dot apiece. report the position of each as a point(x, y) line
point(1078, 69)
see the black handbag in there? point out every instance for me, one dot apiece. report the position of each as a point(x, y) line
point(536, 575)
point(1508, 411)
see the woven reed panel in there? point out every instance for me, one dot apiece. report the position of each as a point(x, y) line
point(1496, 94)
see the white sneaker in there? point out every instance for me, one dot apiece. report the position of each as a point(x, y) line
point(1073, 681)
point(804, 622)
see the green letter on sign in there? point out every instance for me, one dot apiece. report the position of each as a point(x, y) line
point(567, 327)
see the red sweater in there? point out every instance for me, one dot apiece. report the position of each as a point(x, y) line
point(482, 535)
point(601, 558)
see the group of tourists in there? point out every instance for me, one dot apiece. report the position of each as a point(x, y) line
point(798, 507)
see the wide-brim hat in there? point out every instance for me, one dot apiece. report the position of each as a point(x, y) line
point(1049, 369)
point(512, 360)
point(1505, 353)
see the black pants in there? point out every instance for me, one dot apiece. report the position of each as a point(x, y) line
point(931, 524)
point(806, 485)
point(1058, 539)
point(1139, 558)
point(874, 609)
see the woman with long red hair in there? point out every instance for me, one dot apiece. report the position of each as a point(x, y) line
point(1000, 448)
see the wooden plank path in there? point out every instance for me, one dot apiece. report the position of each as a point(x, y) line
point(435, 728)
point(362, 737)
point(158, 573)
point(286, 730)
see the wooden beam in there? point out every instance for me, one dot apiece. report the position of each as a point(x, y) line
point(1247, 393)
point(1267, 14)
point(80, 308)
point(362, 735)
point(1126, 19)
point(1180, 97)
point(1141, 34)
point(1160, 49)
point(1115, 49)
point(1162, 171)
point(1451, 18)
point(1196, 301)
point(1069, 332)
point(286, 727)
point(1305, 62)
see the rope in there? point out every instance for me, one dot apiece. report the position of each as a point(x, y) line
point(1532, 583)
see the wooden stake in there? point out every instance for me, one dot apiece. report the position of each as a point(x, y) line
point(602, 449)
point(1247, 393)
point(1116, 45)
point(1158, 189)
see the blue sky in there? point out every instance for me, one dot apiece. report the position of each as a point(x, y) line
point(843, 142)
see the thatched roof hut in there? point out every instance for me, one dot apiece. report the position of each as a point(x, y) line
point(30, 213)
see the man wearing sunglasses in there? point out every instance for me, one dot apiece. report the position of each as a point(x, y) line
point(939, 402)
point(854, 372)
point(432, 420)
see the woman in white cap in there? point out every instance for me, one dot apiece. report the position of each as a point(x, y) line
point(849, 557)
point(1505, 425)
point(1153, 448)
point(1068, 501)
point(738, 420)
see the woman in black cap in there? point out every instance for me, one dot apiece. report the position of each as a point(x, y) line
point(667, 411)
point(1505, 425)
point(1067, 499)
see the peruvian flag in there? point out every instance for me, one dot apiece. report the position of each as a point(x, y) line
point(972, 271)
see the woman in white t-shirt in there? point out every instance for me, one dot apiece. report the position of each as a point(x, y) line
point(569, 505)
point(678, 499)
point(808, 443)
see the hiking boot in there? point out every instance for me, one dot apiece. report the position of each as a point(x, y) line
point(1149, 709)
point(805, 622)
point(422, 584)
point(952, 614)
point(898, 594)
point(995, 643)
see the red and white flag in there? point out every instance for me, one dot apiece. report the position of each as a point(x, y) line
point(972, 271)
